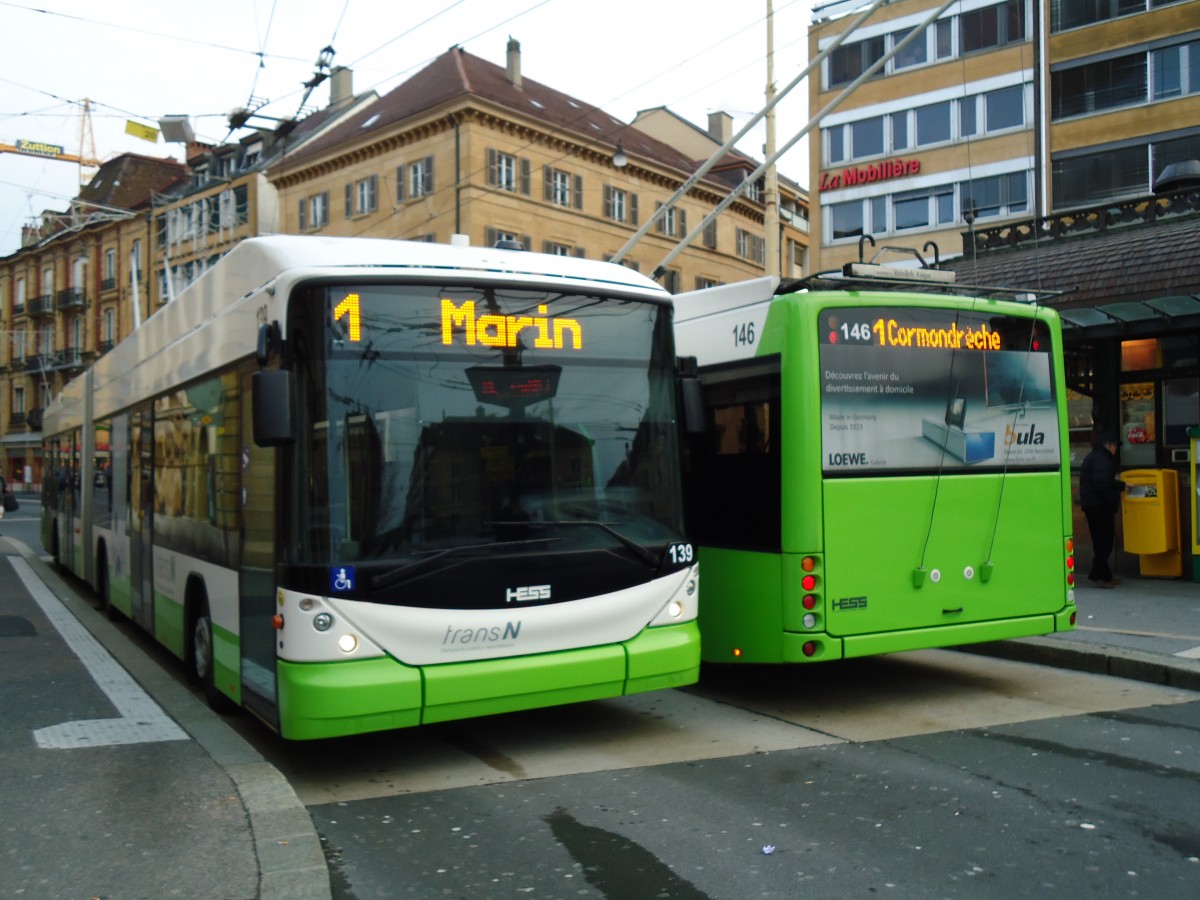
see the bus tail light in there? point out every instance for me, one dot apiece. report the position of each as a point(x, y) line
point(809, 648)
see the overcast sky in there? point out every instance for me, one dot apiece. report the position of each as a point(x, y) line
point(143, 59)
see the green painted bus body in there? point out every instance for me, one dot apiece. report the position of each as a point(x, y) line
point(901, 562)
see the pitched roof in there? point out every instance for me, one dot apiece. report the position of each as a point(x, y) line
point(457, 74)
point(1140, 261)
point(128, 181)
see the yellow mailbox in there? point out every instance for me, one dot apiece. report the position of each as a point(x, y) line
point(1150, 513)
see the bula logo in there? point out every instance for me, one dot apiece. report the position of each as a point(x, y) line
point(1030, 436)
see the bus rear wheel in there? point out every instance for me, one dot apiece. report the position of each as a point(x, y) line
point(201, 662)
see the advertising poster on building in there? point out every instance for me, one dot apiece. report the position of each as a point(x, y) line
point(912, 390)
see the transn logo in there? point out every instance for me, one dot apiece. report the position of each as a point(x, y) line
point(528, 594)
point(494, 330)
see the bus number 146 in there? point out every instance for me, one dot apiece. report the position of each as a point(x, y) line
point(743, 334)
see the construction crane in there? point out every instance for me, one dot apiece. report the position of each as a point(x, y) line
point(56, 151)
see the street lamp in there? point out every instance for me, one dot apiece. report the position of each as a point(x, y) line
point(620, 160)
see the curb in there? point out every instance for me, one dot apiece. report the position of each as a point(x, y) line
point(291, 862)
point(1099, 659)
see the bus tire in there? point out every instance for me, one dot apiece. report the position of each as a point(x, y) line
point(102, 590)
point(200, 660)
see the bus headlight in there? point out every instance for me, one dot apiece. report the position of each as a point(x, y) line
point(347, 643)
point(675, 609)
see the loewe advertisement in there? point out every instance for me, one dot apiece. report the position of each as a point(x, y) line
point(907, 389)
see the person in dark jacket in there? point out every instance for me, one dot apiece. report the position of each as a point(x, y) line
point(1100, 496)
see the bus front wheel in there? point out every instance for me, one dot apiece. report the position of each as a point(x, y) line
point(201, 662)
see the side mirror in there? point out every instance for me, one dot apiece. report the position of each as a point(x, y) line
point(272, 408)
point(691, 397)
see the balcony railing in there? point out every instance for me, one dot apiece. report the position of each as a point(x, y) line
point(108, 284)
point(41, 306)
point(16, 419)
point(71, 298)
point(36, 362)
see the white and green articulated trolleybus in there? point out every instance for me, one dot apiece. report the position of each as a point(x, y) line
point(365, 484)
point(883, 467)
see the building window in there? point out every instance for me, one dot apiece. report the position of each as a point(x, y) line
point(992, 26)
point(915, 53)
point(420, 178)
point(751, 246)
point(849, 61)
point(493, 236)
point(563, 188)
point(670, 281)
point(856, 218)
point(47, 281)
point(1065, 14)
point(620, 205)
point(18, 400)
point(1175, 71)
point(110, 265)
point(556, 249)
point(110, 326)
point(999, 195)
point(19, 297)
point(921, 209)
point(314, 211)
point(933, 124)
point(507, 172)
point(703, 283)
point(673, 222)
point(710, 234)
point(361, 196)
point(1096, 86)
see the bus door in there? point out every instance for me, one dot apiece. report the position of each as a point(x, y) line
point(141, 518)
point(256, 572)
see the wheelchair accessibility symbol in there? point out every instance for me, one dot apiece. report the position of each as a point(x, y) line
point(341, 579)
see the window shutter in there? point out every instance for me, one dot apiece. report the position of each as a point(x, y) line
point(682, 222)
point(302, 220)
point(547, 183)
point(489, 236)
point(349, 200)
point(526, 241)
point(579, 254)
point(400, 183)
point(608, 203)
point(525, 177)
point(372, 184)
point(429, 175)
point(661, 225)
point(633, 210)
point(546, 246)
point(579, 192)
point(493, 178)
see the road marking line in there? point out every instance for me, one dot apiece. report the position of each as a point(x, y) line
point(142, 720)
point(1194, 653)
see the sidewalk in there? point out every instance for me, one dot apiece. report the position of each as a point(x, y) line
point(129, 786)
point(1145, 629)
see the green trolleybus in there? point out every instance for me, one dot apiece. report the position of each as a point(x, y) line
point(880, 470)
point(363, 484)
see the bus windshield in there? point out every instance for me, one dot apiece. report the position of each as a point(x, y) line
point(451, 420)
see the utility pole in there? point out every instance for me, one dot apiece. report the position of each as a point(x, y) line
point(772, 264)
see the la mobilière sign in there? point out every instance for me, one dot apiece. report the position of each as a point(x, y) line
point(880, 171)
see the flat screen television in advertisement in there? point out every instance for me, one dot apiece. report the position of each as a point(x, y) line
point(912, 389)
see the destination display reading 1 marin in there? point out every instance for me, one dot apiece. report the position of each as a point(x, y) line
point(914, 389)
point(483, 420)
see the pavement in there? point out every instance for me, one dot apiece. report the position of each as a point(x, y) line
point(118, 781)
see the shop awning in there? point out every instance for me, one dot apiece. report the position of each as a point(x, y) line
point(1131, 318)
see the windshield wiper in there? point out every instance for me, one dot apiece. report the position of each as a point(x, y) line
point(645, 554)
point(401, 574)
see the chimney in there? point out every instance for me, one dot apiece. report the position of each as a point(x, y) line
point(341, 87)
point(514, 62)
point(720, 126)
